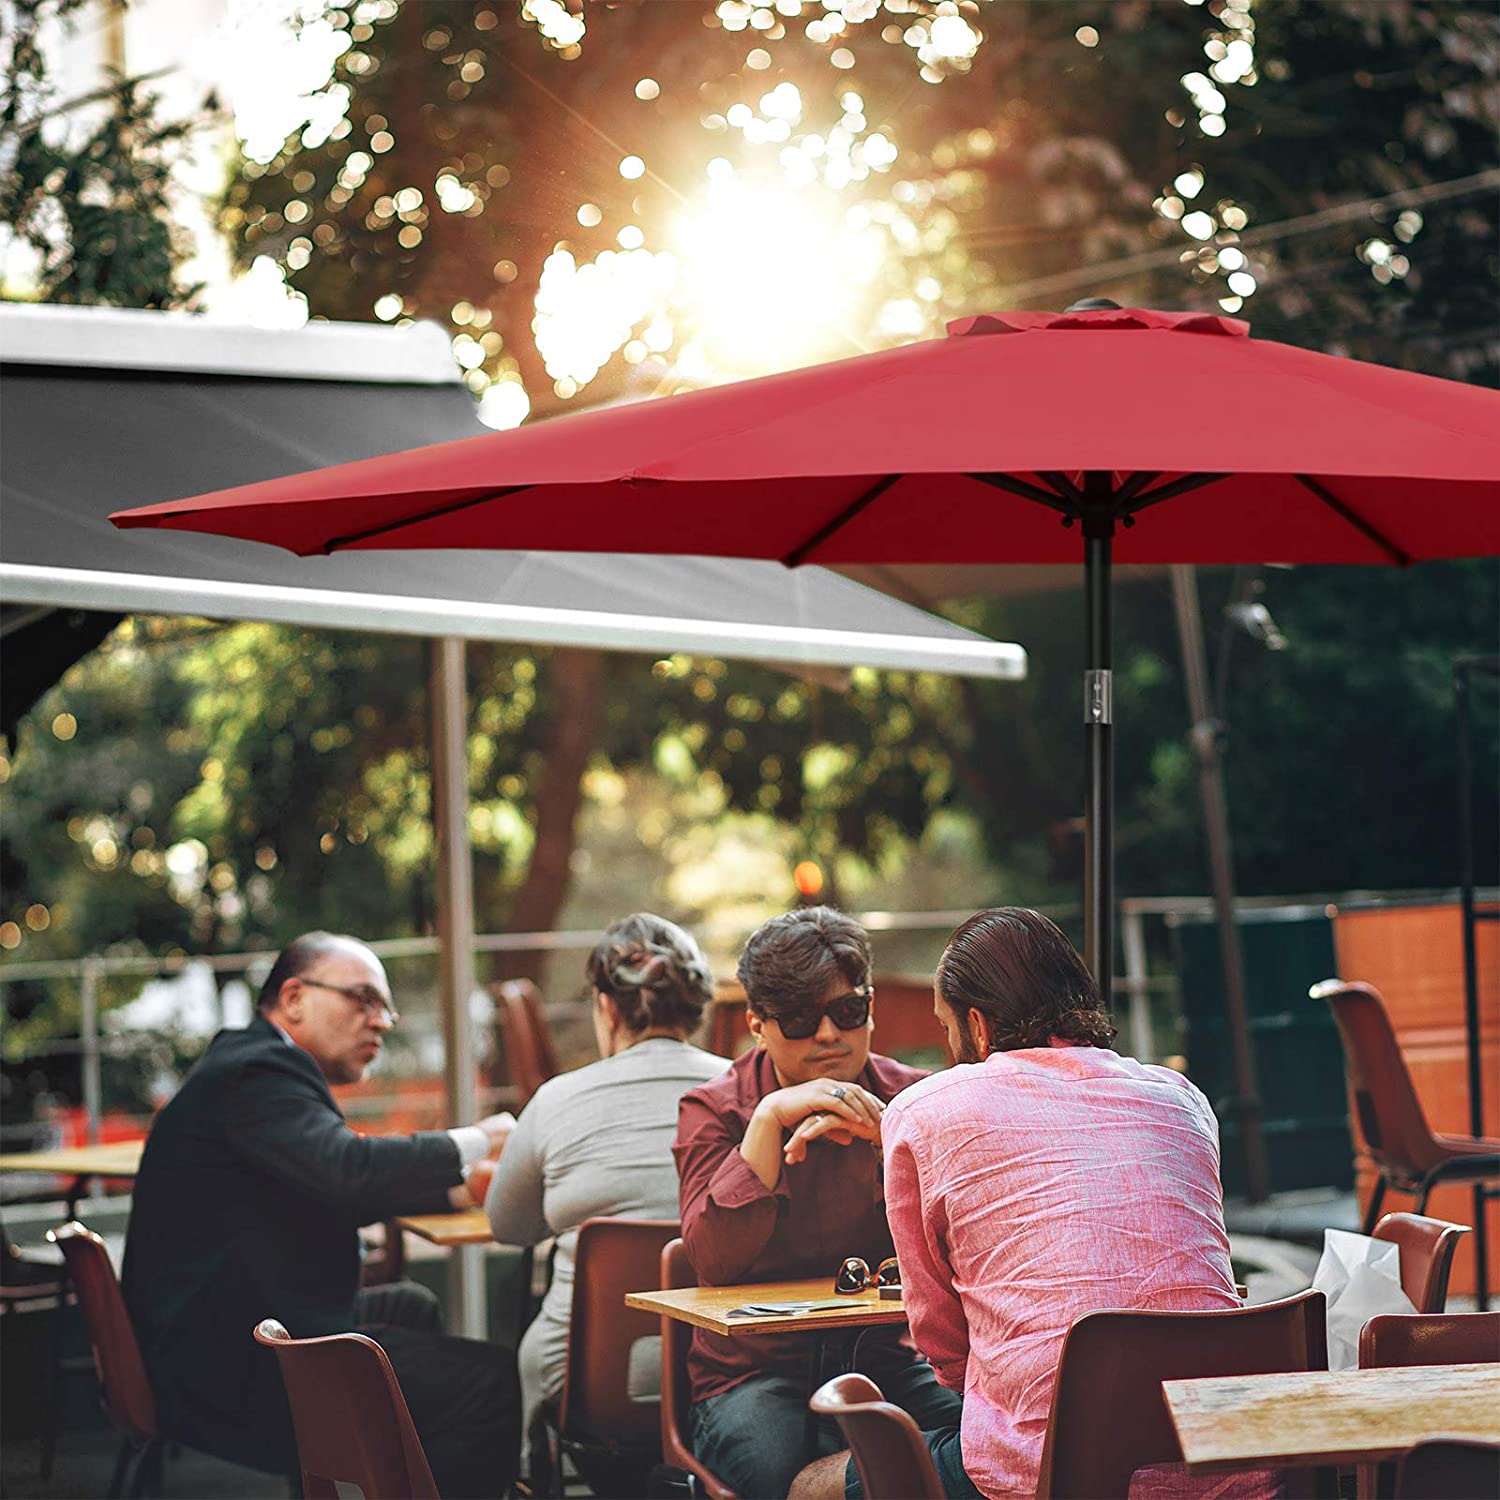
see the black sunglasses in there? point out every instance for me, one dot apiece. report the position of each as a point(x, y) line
point(855, 1275)
point(847, 1012)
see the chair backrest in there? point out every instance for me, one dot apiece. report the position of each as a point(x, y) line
point(530, 1054)
point(676, 1390)
point(350, 1417)
point(892, 1459)
point(1427, 1247)
point(613, 1257)
point(117, 1355)
point(1394, 1339)
point(1380, 1088)
point(1109, 1417)
point(1449, 1469)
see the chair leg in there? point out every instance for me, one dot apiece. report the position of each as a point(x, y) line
point(122, 1462)
point(52, 1415)
point(148, 1477)
point(1481, 1249)
point(1372, 1213)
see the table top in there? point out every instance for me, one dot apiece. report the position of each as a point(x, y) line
point(467, 1226)
point(708, 1307)
point(116, 1159)
point(1330, 1417)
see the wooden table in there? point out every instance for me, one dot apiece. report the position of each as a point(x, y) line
point(467, 1226)
point(1329, 1417)
point(117, 1159)
point(81, 1163)
point(708, 1307)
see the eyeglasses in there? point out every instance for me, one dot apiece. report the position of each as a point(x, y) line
point(847, 1012)
point(366, 996)
point(854, 1276)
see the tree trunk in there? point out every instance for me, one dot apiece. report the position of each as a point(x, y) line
point(576, 683)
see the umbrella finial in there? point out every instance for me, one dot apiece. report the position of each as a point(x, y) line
point(1094, 304)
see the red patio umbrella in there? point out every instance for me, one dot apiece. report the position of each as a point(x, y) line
point(1160, 437)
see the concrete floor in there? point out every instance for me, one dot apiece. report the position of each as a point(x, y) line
point(85, 1462)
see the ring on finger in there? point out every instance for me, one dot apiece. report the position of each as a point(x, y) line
point(839, 1091)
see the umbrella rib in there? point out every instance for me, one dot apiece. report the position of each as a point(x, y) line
point(334, 543)
point(1063, 485)
point(1028, 492)
point(799, 554)
point(1135, 484)
point(1358, 522)
point(1169, 491)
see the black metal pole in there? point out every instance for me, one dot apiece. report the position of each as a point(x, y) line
point(1461, 672)
point(1098, 718)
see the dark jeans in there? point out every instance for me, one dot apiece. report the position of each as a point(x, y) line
point(754, 1435)
point(463, 1394)
point(947, 1458)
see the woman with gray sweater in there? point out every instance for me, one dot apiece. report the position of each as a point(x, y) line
point(598, 1140)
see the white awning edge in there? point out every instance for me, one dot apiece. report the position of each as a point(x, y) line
point(140, 593)
point(121, 338)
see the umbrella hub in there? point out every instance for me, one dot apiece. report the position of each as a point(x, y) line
point(1096, 319)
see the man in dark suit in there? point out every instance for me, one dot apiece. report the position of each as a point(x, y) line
point(248, 1205)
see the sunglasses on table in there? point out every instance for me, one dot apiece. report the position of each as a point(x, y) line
point(855, 1276)
point(366, 996)
point(847, 1012)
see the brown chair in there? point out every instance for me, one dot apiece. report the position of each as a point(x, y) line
point(676, 1392)
point(117, 1358)
point(596, 1421)
point(892, 1459)
point(1449, 1469)
point(1407, 1154)
point(350, 1417)
point(1427, 1247)
point(1395, 1339)
point(1109, 1417)
point(530, 1054)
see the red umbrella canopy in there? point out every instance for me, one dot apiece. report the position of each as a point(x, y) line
point(1226, 449)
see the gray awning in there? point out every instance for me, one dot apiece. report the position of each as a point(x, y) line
point(103, 410)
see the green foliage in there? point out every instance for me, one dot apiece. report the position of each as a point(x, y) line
point(230, 787)
point(98, 212)
point(476, 143)
point(1341, 758)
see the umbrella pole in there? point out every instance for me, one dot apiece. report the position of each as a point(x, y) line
point(1098, 718)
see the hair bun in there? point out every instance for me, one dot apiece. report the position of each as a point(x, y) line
point(654, 972)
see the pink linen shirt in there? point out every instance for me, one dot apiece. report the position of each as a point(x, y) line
point(1029, 1189)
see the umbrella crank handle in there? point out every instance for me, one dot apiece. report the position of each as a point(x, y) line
point(1098, 696)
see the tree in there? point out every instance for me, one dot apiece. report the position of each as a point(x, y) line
point(96, 211)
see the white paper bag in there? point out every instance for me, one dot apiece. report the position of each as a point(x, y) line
point(1361, 1277)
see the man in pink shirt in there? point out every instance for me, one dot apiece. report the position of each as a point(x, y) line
point(1042, 1178)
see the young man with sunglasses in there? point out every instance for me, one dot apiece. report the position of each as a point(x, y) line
point(780, 1172)
point(250, 1196)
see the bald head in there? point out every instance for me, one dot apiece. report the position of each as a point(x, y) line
point(299, 956)
point(329, 993)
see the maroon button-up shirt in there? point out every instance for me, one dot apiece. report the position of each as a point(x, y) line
point(822, 1209)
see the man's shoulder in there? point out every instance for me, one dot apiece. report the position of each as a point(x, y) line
point(916, 1096)
point(891, 1077)
point(734, 1085)
point(257, 1048)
